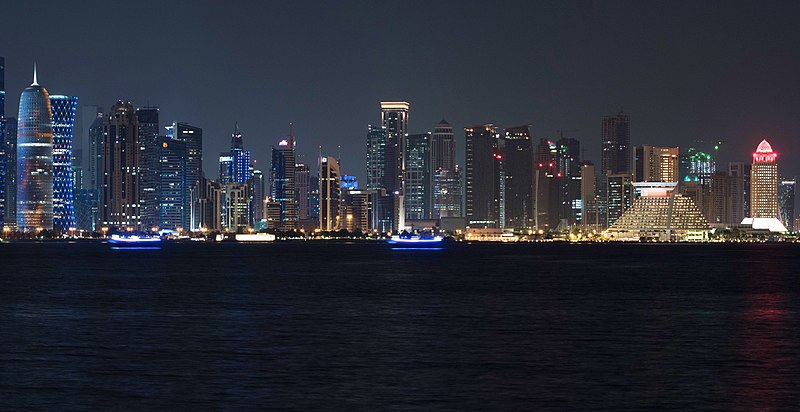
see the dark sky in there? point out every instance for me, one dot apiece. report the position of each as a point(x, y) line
point(682, 70)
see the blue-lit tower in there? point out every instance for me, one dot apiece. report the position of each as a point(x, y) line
point(63, 111)
point(240, 158)
point(34, 159)
point(283, 180)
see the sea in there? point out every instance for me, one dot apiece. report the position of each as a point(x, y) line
point(364, 326)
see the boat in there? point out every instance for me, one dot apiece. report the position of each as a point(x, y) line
point(257, 237)
point(134, 240)
point(416, 242)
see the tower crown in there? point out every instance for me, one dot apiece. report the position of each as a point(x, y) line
point(764, 153)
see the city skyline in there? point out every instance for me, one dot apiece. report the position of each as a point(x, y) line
point(674, 95)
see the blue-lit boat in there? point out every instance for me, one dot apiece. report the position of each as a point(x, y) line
point(134, 240)
point(415, 242)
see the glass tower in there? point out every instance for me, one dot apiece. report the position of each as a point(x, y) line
point(35, 159)
point(418, 176)
point(63, 109)
point(283, 180)
point(376, 157)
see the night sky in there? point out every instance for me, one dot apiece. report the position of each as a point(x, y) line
point(682, 70)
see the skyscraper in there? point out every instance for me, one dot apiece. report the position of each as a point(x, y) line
point(764, 183)
point(63, 110)
point(742, 171)
point(786, 200)
point(35, 159)
point(330, 194)
point(121, 151)
point(656, 164)
point(616, 144)
point(95, 137)
point(447, 189)
point(569, 168)
point(283, 180)
point(240, 166)
point(302, 176)
point(394, 118)
point(483, 171)
point(517, 157)
point(3, 166)
point(150, 166)
point(418, 190)
point(173, 192)
point(192, 137)
point(376, 157)
point(257, 197)
point(10, 137)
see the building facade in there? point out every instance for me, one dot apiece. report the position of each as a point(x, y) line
point(63, 109)
point(516, 154)
point(483, 174)
point(616, 144)
point(764, 183)
point(121, 151)
point(786, 201)
point(330, 194)
point(376, 157)
point(418, 191)
point(394, 119)
point(284, 163)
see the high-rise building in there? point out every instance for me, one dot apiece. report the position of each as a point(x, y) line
point(742, 170)
point(284, 162)
point(330, 194)
point(616, 144)
point(150, 163)
point(302, 181)
point(394, 118)
point(723, 203)
point(447, 189)
point(236, 201)
point(376, 157)
point(569, 167)
point(357, 210)
point(207, 198)
point(63, 110)
point(786, 200)
point(656, 164)
point(620, 195)
point(3, 167)
point(173, 191)
point(239, 166)
point(121, 151)
point(193, 137)
point(10, 143)
point(764, 183)
point(35, 159)
point(547, 187)
point(516, 154)
point(483, 175)
point(418, 191)
point(257, 196)
point(590, 216)
point(96, 139)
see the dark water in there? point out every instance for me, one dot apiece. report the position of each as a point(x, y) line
point(361, 326)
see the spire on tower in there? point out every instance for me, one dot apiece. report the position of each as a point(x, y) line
point(35, 80)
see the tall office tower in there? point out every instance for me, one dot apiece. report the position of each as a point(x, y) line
point(742, 170)
point(697, 165)
point(656, 164)
point(568, 165)
point(443, 147)
point(724, 203)
point(620, 196)
point(394, 118)
point(10, 136)
point(418, 192)
point(237, 198)
point(547, 187)
point(240, 168)
point(257, 196)
point(330, 194)
point(284, 163)
point(150, 167)
point(483, 175)
point(376, 157)
point(357, 210)
point(120, 190)
point(207, 198)
point(63, 111)
point(302, 182)
point(225, 168)
point(313, 198)
point(3, 167)
point(517, 157)
point(786, 200)
point(192, 137)
point(35, 159)
point(173, 193)
point(590, 217)
point(616, 144)
point(447, 189)
point(96, 139)
point(764, 183)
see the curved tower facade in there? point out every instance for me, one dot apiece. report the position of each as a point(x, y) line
point(63, 108)
point(34, 160)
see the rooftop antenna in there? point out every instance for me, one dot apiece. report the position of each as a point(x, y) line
point(35, 79)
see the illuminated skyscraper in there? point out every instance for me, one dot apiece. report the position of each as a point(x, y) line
point(192, 137)
point(394, 118)
point(4, 170)
point(616, 144)
point(258, 195)
point(786, 200)
point(302, 176)
point(447, 189)
point(283, 180)
point(376, 157)
point(35, 159)
point(173, 192)
point(240, 158)
point(483, 176)
point(656, 164)
point(330, 193)
point(10, 143)
point(418, 190)
point(764, 183)
point(63, 109)
point(516, 150)
point(121, 152)
point(150, 165)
